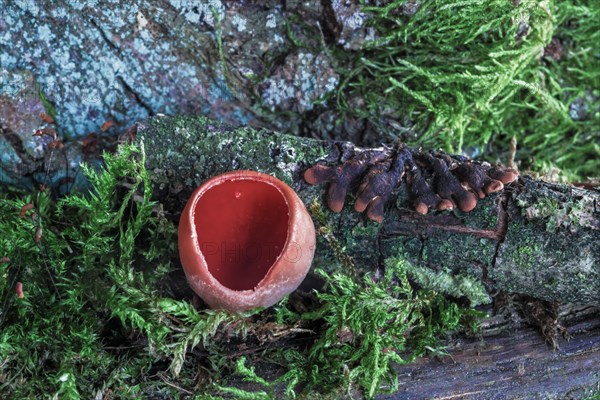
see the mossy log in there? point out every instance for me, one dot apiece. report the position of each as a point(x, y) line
point(506, 362)
point(534, 238)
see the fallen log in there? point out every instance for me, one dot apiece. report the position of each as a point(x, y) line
point(511, 366)
point(536, 238)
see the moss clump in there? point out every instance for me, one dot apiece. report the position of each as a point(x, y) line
point(453, 285)
point(469, 76)
point(594, 396)
point(91, 317)
point(367, 326)
point(526, 255)
point(91, 307)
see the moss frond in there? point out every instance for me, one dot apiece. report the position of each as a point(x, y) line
point(368, 326)
point(470, 75)
point(456, 286)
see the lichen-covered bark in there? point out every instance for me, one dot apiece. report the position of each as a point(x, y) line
point(124, 61)
point(27, 160)
point(535, 238)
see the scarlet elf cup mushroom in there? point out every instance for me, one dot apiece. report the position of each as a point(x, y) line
point(245, 240)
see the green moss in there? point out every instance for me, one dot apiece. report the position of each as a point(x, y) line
point(439, 251)
point(368, 228)
point(98, 311)
point(469, 76)
point(91, 278)
point(368, 325)
point(325, 230)
point(526, 256)
point(483, 216)
point(50, 110)
point(451, 285)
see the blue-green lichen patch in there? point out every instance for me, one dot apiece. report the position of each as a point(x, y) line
point(126, 65)
point(9, 159)
point(252, 39)
point(136, 59)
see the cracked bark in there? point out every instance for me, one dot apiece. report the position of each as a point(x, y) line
point(128, 89)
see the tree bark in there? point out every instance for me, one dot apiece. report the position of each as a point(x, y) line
point(535, 238)
point(516, 365)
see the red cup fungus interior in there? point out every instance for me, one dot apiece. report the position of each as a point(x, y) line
point(242, 240)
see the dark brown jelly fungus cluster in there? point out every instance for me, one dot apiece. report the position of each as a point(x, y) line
point(436, 180)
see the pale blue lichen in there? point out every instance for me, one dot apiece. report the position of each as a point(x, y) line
point(113, 69)
point(352, 21)
point(271, 21)
point(239, 22)
point(200, 12)
point(11, 82)
point(44, 33)
point(302, 80)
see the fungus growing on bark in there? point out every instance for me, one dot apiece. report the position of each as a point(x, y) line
point(435, 179)
point(245, 240)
